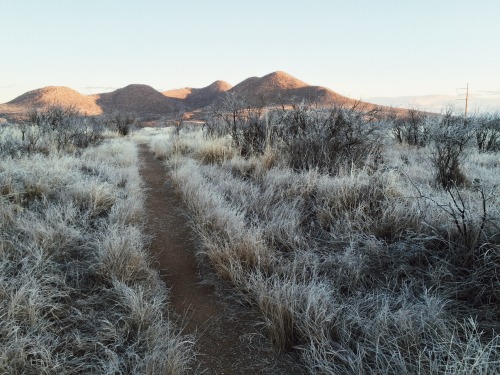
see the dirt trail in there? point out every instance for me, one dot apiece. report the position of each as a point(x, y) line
point(228, 340)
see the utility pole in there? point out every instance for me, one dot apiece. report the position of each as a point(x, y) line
point(466, 101)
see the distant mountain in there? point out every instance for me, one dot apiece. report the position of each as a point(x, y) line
point(281, 88)
point(138, 99)
point(179, 93)
point(57, 95)
point(278, 88)
point(269, 83)
point(199, 98)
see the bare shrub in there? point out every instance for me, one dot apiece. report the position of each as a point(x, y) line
point(242, 120)
point(177, 120)
point(487, 132)
point(34, 139)
point(329, 139)
point(9, 146)
point(213, 127)
point(52, 116)
point(412, 128)
point(122, 123)
point(450, 138)
point(62, 126)
point(307, 137)
point(469, 248)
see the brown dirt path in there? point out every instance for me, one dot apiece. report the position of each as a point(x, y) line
point(228, 341)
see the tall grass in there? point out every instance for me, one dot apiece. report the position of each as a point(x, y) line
point(365, 270)
point(78, 294)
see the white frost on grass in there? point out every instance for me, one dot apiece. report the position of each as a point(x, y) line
point(360, 271)
point(77, 291)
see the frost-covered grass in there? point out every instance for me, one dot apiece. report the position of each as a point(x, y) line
point(78, 294)
point(368, 271)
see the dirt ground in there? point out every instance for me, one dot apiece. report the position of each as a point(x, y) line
point(229, 340)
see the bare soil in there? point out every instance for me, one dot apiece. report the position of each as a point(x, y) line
point(228, 339)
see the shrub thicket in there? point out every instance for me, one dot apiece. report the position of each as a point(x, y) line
point(413, 127)
point(53, 127)
point(330, 139)
point(122, 123)
point(306, 137)
point(487, 132)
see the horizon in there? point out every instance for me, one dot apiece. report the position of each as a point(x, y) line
point(386, 50)
point(478, 102)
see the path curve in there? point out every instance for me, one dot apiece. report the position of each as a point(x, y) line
point(228, 341)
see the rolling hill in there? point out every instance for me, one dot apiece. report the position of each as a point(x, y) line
point(199, 98)
point(282, 88)
point(57, 95)
point(138, 99)
point(277, 88)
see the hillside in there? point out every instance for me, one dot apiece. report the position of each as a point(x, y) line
point(282, 88)
point(277, 88)
point(138, 99)
point(269, 83)
point(198, 98)
point(179, 93)
point(57, 95)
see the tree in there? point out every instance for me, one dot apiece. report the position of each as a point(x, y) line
point(177, 120)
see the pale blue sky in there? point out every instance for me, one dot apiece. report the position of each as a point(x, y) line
point(358, 48)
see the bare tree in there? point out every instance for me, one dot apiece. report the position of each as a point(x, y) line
point(177, 120)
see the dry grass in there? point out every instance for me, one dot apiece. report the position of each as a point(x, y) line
point(77, 291)
point(365, 271)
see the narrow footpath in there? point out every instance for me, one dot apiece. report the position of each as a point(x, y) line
point(228, 340)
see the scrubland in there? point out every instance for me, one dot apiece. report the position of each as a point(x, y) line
point(369, 242)
point(78, 294)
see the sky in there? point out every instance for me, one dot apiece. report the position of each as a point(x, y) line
point(396, 49)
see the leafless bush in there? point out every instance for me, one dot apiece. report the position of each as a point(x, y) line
point(474, 252)
point(35, 139)
point(122, 123)
point(8, 144)
point(53, 115)
point(9, 147)
point(213, 128)
point(177, 120)
point(469, 249)
point(242, 120)
point(91, 133)
point(62, 126)
point(487, 131)
point(450, 138)
point(412, 128)
point(330, 139)
point(306, 137)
